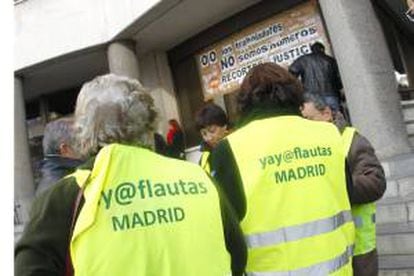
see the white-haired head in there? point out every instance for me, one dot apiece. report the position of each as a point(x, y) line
point(113, 109)
point(58, 138)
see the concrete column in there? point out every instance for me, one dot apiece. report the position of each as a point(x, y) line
point(122, 59)
point(367, 74)
point(23, 175)
point(157, 76)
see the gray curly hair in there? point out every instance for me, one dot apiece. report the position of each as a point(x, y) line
point(113, 109)
point(57, 132)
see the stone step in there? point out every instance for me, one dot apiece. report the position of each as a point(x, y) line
point(410, 127)
point(396, 244)
point(395, 200)
point(396, 262)
point(395, 228)
point(406, 93)
point(401, 166)
point(409, 272)
point(392, 213)
point(395, 210)
point(395, 218)
point(407, 104)
point(401, 187)
point(408, 114)
point(411, 140)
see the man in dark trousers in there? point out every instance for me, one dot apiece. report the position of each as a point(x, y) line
point(319, 74)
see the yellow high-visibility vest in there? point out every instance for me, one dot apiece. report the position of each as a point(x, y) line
point(204, 161)
point(363, 214)
point(145, 214)
point(298, 219)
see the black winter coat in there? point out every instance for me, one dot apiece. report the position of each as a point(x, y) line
point(54, 168)
point(319, 74)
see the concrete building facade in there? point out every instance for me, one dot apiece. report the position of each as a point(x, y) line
point(60, 45)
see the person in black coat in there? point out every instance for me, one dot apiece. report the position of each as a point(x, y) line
point(319, 74)
point(60, 158)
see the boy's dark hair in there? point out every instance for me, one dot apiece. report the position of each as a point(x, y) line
point(269, 84)
point(317, 47)
point(211, 114)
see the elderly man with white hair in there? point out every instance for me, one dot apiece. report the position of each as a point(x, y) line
point(59, 154)
point(368, 179)
point(128, 210)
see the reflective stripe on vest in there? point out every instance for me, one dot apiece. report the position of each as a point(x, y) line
point(319, 269)
point(204, 161)
point(298, 212)
point(138, 221)
point(297, 232)
point(363, 214)
point(359, 222)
